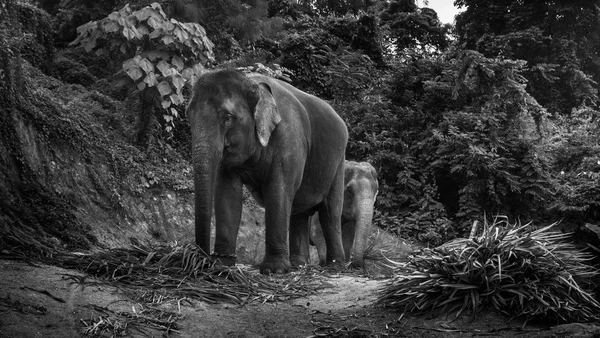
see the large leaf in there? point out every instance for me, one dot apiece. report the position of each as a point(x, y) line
point(128, 33)
point(143, 13)
point(154, 22)
point(177, 62)
point(190, 27)
point(167, 39)
point(198, 69)
point(178, 81)
point(164, 67)
point(146, 65)
point(134, 72)
point(114, 16)
point(182, 35)
point(164, 88)
point(150, 79)
point(177, 99)
point(110, 26)
point(158, 10)
point(187, 74)
point(168, 25)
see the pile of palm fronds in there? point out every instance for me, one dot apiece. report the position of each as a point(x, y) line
point(383, 246)
point(512, 269)
point(185, 272)
point(121, 323)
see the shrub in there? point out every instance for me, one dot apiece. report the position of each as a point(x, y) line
point(509, 268)
point(165, 55)
point(574, 151)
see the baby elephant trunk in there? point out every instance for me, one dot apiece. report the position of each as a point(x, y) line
point(364, 218)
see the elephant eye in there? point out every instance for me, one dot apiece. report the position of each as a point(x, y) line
point(228, 119)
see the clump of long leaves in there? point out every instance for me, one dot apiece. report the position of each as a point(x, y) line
point(509, 268)
point(185, 271)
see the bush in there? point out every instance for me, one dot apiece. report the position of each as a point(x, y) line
point(71, 71)
point(509, 268)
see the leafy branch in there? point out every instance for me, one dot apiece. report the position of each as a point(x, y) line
point(164, 53)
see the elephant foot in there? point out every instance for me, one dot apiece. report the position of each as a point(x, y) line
point(297, 261)
point(335, 264)
point(275, 265)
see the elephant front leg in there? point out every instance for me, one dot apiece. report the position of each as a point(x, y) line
point(299, 239)
point(278, 206)
point(228, 213)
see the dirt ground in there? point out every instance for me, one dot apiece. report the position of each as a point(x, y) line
point(46, 301)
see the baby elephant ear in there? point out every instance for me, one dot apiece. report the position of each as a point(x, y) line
point(266, 114)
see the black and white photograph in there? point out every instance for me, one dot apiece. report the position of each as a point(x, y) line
point(300, 168)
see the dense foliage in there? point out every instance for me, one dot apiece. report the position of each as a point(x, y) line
point(498, 114)
point(559, 40)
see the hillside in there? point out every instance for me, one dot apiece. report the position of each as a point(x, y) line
point(72, 179)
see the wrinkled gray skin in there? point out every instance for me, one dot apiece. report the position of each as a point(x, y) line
point(286, 146)
point(360, 191)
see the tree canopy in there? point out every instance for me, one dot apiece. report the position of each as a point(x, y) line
point(558, 39)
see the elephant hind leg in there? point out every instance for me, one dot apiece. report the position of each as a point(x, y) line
point(317, 239)
point(330, 216)
point(299, 239)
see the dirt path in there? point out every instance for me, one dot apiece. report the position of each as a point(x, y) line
point(46, 301)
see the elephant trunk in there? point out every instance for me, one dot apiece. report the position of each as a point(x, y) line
point(364, 219)
point(206, 164)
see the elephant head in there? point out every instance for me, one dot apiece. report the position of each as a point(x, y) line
point(359, 200)
point(231, 118)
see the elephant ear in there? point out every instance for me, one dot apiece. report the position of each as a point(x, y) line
point(266, 114)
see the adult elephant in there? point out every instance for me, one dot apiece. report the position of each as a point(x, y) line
point(286, 146)
point(360, 191)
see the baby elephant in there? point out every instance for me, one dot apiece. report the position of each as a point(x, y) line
point(360, 190)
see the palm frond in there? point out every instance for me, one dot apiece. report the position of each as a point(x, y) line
point(180, 271)
point(510, 268)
